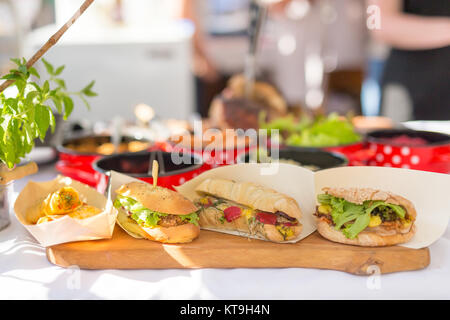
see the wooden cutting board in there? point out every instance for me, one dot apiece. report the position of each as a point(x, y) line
point(218, 250)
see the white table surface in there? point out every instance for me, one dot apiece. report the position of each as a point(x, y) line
point(25, 273)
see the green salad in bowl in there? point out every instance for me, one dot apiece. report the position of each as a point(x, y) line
point(322, 131)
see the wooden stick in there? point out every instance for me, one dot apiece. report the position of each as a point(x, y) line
point(155, 169)
point(52, 41)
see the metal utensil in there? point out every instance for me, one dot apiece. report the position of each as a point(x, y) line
point(258, 14)
point(116, 134)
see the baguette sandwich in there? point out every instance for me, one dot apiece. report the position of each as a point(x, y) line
point(247, 208)
point(365, 217)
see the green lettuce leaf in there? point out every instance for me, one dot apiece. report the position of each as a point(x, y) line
point(352, 230)
point(146, 217)
point(143, 216)
point(191, 218)
point(349, 213)
point(352, 218)
point(399, 211)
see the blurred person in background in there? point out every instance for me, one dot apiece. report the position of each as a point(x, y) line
point(219, 44)
point(301, 44)
point(315, 52)
point(416, 79)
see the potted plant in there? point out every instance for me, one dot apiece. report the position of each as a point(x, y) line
point(29, 114)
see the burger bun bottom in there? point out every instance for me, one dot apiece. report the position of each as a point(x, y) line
point(365, 238)
point(179, 234)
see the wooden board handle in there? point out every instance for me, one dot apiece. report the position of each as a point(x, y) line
point(18, 172)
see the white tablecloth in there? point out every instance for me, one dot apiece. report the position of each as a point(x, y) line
point(25, 273)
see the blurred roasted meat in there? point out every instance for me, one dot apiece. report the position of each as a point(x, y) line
point(231, 109)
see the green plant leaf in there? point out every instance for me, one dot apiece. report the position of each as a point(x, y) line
point(34, 72)
point(9, 106)
point(27, 116)
point(88, 90)
point(5, 125)
point(60, 82)
point(59, 70)
point(68, 107)
point(31, 95)
point(16, 61)
point(46, 87)
point(89, 86)
point(21, 85)
point(52, 119)
point(36, 86)
point(90, 93)
point(58, 104)
point(23, 69)
point(85, 102)
point(12, 76)
point(48, 67)
point(29, 132)
point(42, 118)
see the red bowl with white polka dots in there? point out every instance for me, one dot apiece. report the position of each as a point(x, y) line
point(410, 149)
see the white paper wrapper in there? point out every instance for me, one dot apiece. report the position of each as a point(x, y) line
point(429, 192)
point(294, 181)
point(65, 229)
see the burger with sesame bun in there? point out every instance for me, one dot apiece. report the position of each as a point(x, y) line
point(156, 213)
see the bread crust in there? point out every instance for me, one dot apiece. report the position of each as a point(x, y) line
point(364, 238)
point(359, 195)
point(183, 233)
point(272, 234)
point(129, 225)
point(210, 219)
point(251, 195)
point(157, 198)
point(179, 234)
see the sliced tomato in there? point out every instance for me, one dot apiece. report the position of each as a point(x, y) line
point(267, 218)
point(289, 224)
point(232, 213)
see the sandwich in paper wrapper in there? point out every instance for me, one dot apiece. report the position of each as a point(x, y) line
point(64, 210)
point(424, 195)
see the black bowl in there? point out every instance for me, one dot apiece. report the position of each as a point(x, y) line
point(138, 164)
point(432, 138)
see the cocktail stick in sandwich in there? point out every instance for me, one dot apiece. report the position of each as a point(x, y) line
point(249, 209)
point(156, 213)
point(365, 217)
